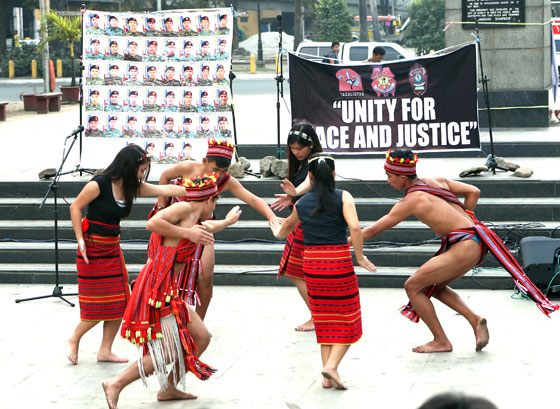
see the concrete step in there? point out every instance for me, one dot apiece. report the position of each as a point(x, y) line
point(496, 209)
point(254, 253)
point(264, 275)
point(407, 231)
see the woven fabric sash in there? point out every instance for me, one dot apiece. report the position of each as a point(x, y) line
point(493, 244)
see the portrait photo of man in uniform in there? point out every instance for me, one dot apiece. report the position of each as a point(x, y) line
point(204, 76)
point(94, 78)
point(151, 105)
point(204, 26)
point(114, 104)
point(204, 105)
point(131, 28)
point(150, 130)
point(132, 77)
point(113, 28)
point(223, 105)
point(168, 27)
point(94, 103)
point(150, 149)
point(169, 105)
point(204, 130)
point(112, 130)
point(223, 25)
point(220, 76)
point(205, 54)
point(151, 77)
point(93, 27)
point(188, 76)
point(150, 27)
point(187, 131)
point(170, 51)
point(114, 51)
point(151, 53)
point(188, 52)
point(169, 77)
point(186, 28)
point(95, 51)
point(113, 77)
point(186, 153)
point(223, 131)
point(222, 50)
point(131, 53)
point(132, 103)
point(93, 127)
point(187, 103)
point(130, 128)
point(169, 128)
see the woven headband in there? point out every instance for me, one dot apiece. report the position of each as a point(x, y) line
point(220, 148)
point(302, 135)
point(400, 166)
point(320, 157)
point(201, 188)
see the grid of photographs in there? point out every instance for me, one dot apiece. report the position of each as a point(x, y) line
point(161, 80)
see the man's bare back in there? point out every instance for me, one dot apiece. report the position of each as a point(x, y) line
point(438, 214)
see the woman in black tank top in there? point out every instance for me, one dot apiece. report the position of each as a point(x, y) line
point(102, 277)
point(302, 143)
point(331, 282)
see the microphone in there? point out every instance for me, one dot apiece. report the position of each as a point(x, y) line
point(76, 131)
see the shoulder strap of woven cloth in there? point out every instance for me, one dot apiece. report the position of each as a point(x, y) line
point(495, 246)
point(443, 193)
point(221, 183)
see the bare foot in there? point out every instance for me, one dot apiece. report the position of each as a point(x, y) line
point(111, 393)
point(72, 351)
point(481, 334)
point(332, 375)
point(326, 383)
point(433, 346)
point(307, 326)
point(173, 394)
point(110, 357)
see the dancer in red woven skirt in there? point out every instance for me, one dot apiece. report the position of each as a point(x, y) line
point(302, 143)
point(465, 241)
point(325, 214)
point(102, 276)
point(169, 334)
point(217, 160)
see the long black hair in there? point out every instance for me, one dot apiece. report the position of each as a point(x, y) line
point(305, 135)
point(125, 166)
point(321, 166)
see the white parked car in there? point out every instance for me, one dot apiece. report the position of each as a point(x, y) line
point(351, 53)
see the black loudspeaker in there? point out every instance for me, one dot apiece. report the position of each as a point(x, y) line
point(539, 256)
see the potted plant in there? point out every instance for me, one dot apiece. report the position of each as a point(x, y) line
point(69, 31)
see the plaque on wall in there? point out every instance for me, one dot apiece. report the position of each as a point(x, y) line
point(493, 13)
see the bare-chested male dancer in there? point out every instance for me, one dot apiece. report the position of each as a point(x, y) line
point(465, 242)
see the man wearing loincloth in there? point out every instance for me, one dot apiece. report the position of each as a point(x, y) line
point(465, 242)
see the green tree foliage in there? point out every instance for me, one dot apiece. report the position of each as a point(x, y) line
point(65, 29)
point(333, 21)
point(425, 30)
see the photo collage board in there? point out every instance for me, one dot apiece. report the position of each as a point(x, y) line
point(158, 80)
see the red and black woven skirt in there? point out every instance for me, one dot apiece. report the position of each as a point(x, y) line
point(291, 263)
point(103, 283)
point(333, 291)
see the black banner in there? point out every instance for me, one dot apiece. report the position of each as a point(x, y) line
point(426, 104)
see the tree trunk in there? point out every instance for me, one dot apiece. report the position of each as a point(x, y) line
point(363, 21)
point(298, 23)
point(235, 40)
point(375, 22)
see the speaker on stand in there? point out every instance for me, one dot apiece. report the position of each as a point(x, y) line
point(540, 260)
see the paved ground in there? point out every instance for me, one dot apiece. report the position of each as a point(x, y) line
point(263, 363)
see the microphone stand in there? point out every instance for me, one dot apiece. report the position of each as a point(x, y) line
point(491, 163)
point(279, 85)
point(57, 291)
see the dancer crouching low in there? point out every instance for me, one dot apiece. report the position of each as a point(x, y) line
point(334, 298)
point(166, 330)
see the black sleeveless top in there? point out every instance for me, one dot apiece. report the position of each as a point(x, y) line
point(104, 207)
point(325, 227)
point(300, 177)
